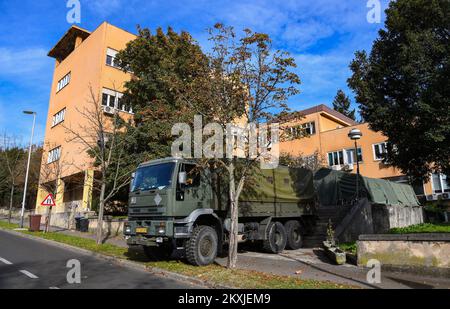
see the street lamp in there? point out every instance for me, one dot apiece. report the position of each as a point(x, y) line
point(355, 135)
point(28, 167)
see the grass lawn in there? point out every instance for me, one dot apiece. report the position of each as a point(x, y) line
point(422, 228)
point(245, 279)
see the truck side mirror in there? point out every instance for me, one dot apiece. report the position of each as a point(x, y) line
point(182, 178)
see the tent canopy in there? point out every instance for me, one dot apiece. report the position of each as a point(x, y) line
point(336, 187)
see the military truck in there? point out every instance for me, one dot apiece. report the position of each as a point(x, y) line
point(174, 205)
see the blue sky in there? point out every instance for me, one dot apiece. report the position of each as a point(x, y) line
point(322, 35)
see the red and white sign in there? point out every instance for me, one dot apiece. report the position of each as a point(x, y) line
point(49, 201)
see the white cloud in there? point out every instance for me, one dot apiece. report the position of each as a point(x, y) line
point(305, 34)
point(22, 61)
point(104, 7)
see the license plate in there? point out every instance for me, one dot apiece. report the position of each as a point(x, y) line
point(141, 230)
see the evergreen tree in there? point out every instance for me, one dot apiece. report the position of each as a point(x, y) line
point(342, 104)
point(402, 86)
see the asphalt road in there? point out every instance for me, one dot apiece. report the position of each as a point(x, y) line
point(31, 264)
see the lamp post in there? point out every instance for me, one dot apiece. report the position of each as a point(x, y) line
point(355, 135)
point(28, 167)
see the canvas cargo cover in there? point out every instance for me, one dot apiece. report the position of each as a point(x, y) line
point(336, 187)
point(282, 184)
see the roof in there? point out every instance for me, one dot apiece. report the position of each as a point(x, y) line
point(66, 44)
point(332, 112)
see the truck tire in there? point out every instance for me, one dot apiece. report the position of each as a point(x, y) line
point(294, 235)
point(158, 253)
point(275, 238)
point(202, 247)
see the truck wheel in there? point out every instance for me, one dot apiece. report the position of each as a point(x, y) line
point(294, 235)
point(158, 253)
point(276, 238)
point(201, 248)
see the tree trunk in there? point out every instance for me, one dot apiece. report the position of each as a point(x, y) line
point(11, 200)
point(233, 243)
point(49, 219)
point(100, 215)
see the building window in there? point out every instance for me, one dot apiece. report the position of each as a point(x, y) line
point(336, 158)
point(342, 157)
point(350, 156)
point(54, 155)
point(63, 82)
point(58, 117)
point(302, 130)
point(379, 151)
point(113, 99)
point(439, 182)
point(309, 128)
point(111, 57)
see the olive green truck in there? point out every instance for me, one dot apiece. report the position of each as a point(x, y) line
point(172, 206)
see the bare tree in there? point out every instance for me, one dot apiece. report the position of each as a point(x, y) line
point(49, 176)
point(104, 138)
point(12, 155)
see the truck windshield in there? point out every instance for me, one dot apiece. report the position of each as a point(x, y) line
point(153, 177)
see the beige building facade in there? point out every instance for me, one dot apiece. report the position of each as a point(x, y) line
point(84, 73)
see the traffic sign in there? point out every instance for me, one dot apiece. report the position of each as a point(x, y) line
point(49, 201)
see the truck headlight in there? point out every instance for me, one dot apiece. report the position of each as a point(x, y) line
point(181, 230)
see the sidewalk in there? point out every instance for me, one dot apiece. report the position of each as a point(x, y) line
point(305, 264)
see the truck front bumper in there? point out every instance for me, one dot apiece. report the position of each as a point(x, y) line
point(148, 232)
point(146, 241)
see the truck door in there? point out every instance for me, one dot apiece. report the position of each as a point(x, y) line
point(193, 195)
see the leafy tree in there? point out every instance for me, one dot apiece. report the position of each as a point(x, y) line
point(342, 104)
point(13, 160)
point(403, 85)
point(12, 166)
point(163, 65)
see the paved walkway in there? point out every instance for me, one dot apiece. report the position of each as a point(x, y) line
point(309, 264)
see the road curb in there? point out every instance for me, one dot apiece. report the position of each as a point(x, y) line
point(118, 261)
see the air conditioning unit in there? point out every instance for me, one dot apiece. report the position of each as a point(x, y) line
point(446, 196)
point(336, 168)
point(109, 110)
point(432, 197)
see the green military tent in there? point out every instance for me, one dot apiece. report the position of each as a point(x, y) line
point(337, 187)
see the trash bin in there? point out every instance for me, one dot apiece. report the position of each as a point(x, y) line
point(35, 223)
point(82, 224)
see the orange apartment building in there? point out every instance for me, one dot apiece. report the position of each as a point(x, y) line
point(85, 60)
point(328, 137)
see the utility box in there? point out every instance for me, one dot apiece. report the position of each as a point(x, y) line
point(35, 223)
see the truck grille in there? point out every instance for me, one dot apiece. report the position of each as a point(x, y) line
point(146, 211)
